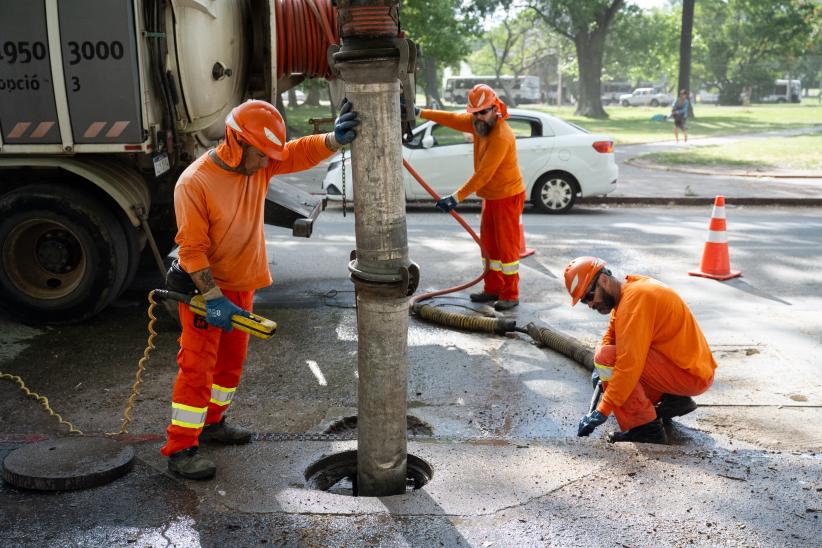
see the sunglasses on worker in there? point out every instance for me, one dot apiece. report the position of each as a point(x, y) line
point(484, 111)
point(592, 289)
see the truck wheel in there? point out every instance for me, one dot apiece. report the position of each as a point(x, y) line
point(554, 193)
point(63, 255)
point(625, 103)
point(654, 103)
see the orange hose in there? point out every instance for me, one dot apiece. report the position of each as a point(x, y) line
point(466, 226)
point(305, 29)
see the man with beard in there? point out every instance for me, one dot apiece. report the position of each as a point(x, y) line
point(652, 358)
point(219, 201)
point(498, 181)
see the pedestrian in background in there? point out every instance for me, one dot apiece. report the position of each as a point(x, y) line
point(652, 358)
point(679, 111)
point(498, 181)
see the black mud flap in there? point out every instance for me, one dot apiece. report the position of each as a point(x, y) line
point(290, 207)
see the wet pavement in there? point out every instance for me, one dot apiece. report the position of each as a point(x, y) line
point(744, 469)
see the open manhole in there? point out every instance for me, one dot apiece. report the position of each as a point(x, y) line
point(414, 426)
point(337, 474)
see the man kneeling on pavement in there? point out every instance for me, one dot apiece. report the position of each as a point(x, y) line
point(652, 358)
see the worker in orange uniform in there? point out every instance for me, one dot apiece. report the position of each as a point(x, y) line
point(652, 358)
point(219, 202)
point(496, 179)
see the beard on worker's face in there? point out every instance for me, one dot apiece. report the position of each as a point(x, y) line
point(607, 304)
point(483, 128)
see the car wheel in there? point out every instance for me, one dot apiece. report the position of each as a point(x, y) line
point(554, 193)
point(63, 254)
point(625, 103)
point(654, 103)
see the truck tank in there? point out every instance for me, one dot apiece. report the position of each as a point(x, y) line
point(102, 104)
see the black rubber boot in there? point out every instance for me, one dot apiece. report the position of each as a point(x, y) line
point(191, 465)
point(505, 305)
point(228, 434)
point(650, 432)
point(483, 297)
point(674, 406)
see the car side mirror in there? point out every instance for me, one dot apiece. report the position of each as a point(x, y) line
point(428, 141)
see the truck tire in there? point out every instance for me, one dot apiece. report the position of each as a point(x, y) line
point(654, 103)
point(554, 193)
point(64, 255)
point(625, 103)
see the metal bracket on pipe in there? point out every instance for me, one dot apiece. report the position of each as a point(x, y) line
point(402, 282)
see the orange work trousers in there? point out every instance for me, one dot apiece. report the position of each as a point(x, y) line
point(499, 234)
point(659, 376)
point(210, 363)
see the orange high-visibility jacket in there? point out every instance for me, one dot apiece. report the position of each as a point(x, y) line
point(651, 315)
point(220, 215)
point(496, 170)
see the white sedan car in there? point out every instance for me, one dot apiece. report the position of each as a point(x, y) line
point(558, 160)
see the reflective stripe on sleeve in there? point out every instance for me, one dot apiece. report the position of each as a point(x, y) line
point(220, 395)
point(605, 372)
point(509, 269)
point(187, 416)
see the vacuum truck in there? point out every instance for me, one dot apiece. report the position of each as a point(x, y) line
point(103, 103)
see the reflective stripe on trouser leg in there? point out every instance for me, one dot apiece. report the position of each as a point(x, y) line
point(186, 416)
point(499, 233)
point(221, 396)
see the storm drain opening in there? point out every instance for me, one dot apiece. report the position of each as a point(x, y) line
point(414, 426)
point(337, 474)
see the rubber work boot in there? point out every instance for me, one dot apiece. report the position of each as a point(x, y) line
point(190, 465)
point(227, 434)
point(483, 297)
point(650, 432)
point(505, 305)
point(674, 406)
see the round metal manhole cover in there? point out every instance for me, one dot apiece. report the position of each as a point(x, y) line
point(67, 463)
point(337, 474)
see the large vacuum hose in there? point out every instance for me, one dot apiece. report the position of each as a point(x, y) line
point(564, 344)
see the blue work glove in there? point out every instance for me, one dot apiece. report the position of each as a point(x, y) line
point(220, 310)
point(589, 422)
point(447, 204)
point(594, 379)
point(344, 124)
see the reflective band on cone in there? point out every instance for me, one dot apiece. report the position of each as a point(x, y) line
point(523, 251)
point(716, 262)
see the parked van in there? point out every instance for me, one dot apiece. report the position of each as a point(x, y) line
point(524, 88)
point(781, 94)
point(612, 91)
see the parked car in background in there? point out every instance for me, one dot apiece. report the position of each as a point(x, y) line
point(612, 91)
point(645, 97)
point(559, 161)
point(526, 89)
point(780, 92)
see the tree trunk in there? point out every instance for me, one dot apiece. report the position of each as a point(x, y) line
point(685, 50)
point(292, 98)
point(430, 82)
point(590, 48)
point(312, 95)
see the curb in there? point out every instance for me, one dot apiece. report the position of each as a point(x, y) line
point(638, 163)
point(698, 201)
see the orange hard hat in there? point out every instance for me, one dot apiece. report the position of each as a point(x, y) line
point(480, 98)
point(579, 274)
point(260, 125)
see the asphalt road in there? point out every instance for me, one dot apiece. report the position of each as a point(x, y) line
point(743, 469)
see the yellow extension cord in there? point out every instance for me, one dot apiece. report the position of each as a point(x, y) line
point(132, 399)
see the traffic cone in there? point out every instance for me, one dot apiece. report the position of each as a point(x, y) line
point(716, 263)
point(523, 251)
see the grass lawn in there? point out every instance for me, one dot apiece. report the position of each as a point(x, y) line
point(629, 125)
point(793, 153)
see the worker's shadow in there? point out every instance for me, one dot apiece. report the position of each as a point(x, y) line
point(446, 535)
point(742, 285)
